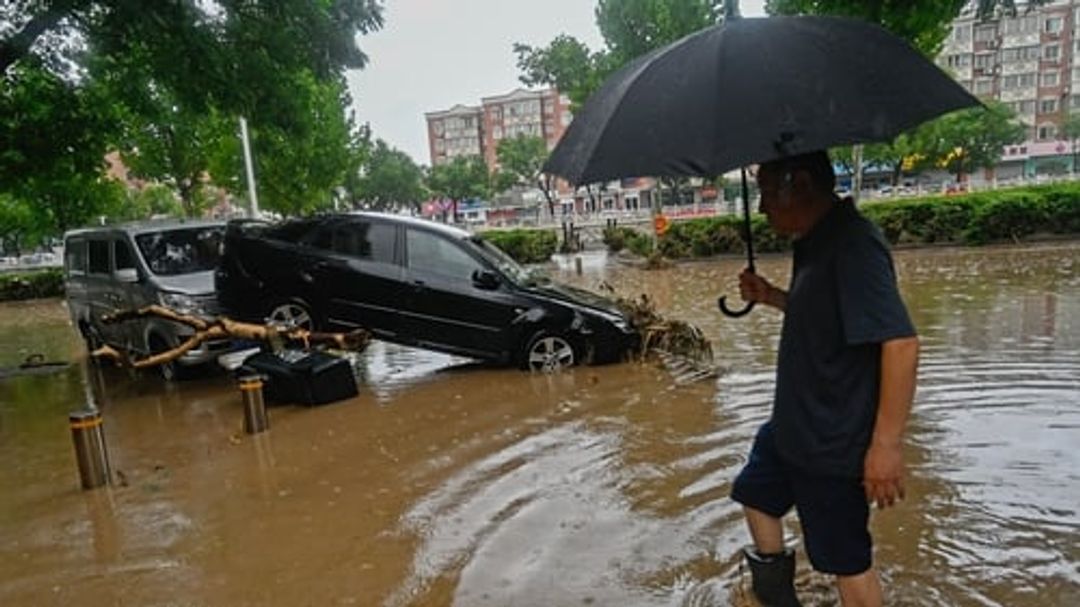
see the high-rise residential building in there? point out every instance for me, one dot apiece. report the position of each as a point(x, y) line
point(477, 130)
point(457, 131)
point(1030, 61)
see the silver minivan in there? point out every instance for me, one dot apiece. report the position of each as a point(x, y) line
point(133, 265)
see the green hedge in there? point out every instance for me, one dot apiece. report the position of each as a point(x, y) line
point(31, 285)
point(525, 246)
point(983, 217)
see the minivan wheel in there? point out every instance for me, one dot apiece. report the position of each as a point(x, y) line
point(547, 353)
point(169, 371)
point(292, 314)
point(90, 336)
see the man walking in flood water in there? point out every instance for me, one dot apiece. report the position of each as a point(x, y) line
point(844, 386)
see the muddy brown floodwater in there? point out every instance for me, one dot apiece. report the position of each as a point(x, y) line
point(445, 484)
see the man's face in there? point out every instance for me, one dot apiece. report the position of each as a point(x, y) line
point(779, 200)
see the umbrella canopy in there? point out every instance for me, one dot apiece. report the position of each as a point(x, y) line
point(753, 90)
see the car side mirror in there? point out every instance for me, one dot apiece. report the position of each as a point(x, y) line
point(130, 275)
point(485, 279)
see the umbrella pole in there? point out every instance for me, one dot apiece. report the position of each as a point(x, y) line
point(748, 236)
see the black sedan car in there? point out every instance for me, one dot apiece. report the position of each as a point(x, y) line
point(416, 283)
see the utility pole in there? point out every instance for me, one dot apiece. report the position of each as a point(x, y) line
point(253, 206)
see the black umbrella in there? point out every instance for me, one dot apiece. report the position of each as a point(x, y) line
point(749, 91)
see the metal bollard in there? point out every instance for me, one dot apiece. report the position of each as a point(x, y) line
point(255, 419)
point(577, 264)
point(88, 434)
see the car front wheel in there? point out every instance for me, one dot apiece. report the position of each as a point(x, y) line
point(548, 353)
point(292, 314)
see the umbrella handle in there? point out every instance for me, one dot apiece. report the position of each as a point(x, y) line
point(734, 313)
point(749, 251)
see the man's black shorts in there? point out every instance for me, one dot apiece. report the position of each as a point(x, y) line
point(833, 511)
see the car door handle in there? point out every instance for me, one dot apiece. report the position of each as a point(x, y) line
point(419, 285)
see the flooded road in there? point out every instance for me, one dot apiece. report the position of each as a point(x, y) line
point(448, 484)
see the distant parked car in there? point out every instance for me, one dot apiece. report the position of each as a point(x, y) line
point(416, 283)
point(133, 265)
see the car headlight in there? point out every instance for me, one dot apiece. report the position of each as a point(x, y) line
point(184, 304)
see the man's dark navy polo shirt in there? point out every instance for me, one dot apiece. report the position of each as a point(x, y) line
point(842, 304)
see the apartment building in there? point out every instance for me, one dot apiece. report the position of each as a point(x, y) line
point(1030, 61)
point(477, 130)
point(455, 132)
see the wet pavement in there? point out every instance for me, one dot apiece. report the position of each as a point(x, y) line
point(444, 483)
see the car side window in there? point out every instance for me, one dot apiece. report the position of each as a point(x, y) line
point(430, 253)
point(99, 257)
point(122, 256)
point(364, 240)
point(75, 257)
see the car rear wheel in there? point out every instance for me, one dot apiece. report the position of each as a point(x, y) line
point(548, 353)
point(292, 314)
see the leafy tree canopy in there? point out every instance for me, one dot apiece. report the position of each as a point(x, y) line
point(390, 179)
point(461, 178)
point(973, 138)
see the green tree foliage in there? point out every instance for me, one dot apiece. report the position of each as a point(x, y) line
point(180, 72)
point(521, 163)
point(390, 179)
point(53, 140)
point(162, 138)
point(629, 27)
point(17, 230)
point(462, 178)
point(973, 138)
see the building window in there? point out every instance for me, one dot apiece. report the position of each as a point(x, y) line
point(962, 33)
point(1021, 25)
point(1074, 102)
point(1047, 132)
point(962, 60)
point(1027, 107)
point(1047, 106)
point(1049, 79)
point(1051, 52)
point(985, 33)
point(1053, 25)
point(984, 86)
point(984, 61)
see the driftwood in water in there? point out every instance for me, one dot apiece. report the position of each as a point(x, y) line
point(223, 328)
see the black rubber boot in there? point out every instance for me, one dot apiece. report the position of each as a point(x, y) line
point(773, 577)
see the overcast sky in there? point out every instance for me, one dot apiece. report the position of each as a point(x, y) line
point(434, 54)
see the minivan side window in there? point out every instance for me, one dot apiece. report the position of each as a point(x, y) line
point(122, 256)
point(430, 253)
point(372, 241)
point(99, 257)
point(75, 257)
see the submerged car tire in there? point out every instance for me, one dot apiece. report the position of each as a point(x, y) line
point(549, 352)
point(291, 313)
point(90, 337)
point(170, 371)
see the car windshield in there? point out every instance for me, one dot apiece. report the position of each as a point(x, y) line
point(506, 264)
point(181, 251)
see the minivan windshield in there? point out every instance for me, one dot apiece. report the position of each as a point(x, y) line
point(505, 263)
point(176, 251)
